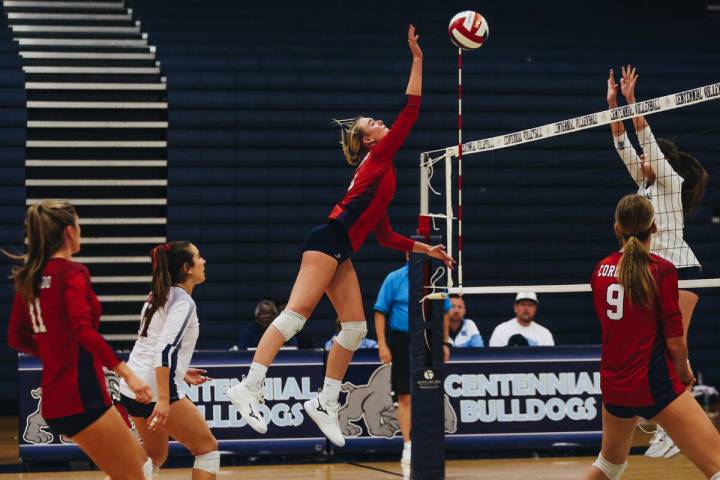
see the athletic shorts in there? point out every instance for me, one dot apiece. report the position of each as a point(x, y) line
point(400, 373)
point(141, 410)
point(644, 412)
point(662, 389)
point(331, 239)
point(71, 425)
point(690, 273)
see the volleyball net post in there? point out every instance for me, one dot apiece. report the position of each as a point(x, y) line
point(426, 369)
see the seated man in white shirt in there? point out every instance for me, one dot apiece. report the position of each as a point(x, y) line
point(523, 327)
point(462, 331)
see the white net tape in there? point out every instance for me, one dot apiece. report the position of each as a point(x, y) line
point(646, 107)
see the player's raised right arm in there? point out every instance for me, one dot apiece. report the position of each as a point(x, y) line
point(414, 86)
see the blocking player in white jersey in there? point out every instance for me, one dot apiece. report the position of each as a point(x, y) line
point(674, 182)
point(169, 329)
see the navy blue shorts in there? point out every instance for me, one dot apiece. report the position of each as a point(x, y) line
point(141, 410)
point(661, 388)
point(644, 412)
point(331, 239)
point(74, 424)
point(690, 273)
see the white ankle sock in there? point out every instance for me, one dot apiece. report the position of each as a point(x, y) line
point(330, 391)
point(256, 376)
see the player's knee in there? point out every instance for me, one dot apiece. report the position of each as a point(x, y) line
point(204, 445)
point(208, 462)
point(288, 323)
point(611, 470)
point(352, 334)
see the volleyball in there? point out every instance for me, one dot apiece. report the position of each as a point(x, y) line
point(468, 30)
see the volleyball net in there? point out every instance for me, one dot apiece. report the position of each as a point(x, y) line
point(533, 209)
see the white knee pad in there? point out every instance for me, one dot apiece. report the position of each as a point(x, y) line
point(611, 470)
point(148, 469)
point(289, 323)
point(209, 462)
point(351, 334)
point(716, 476)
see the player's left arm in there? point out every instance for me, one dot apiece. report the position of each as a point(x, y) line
point(20, 333)
point(661, 167)
point(77, 285)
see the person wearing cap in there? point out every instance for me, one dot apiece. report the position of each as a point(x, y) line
point(462, 331)
point(522, 329)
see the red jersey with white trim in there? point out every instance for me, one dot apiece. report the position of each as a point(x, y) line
point(364, 207)
point(61, 327)
point(635, 361)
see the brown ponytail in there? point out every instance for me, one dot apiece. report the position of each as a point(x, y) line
point(695, 177)
point(351, 140)
point(634, 221)
point(45, 225)
point(168, 260)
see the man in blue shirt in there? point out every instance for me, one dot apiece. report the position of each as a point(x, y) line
point(392, 305)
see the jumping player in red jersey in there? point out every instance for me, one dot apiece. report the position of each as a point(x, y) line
point(55, 316)
point(644, 369)
point(326, 267)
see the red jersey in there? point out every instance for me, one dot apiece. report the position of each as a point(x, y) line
point(60, 327)
point(635, 360)
point(364, 207)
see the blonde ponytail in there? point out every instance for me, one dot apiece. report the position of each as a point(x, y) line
point(45, 225)
point(634, 218)
point(351, 139)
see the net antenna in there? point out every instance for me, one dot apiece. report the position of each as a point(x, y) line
point(430, 158)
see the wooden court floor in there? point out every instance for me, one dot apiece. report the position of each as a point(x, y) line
point(571, 468)
point(559, 468)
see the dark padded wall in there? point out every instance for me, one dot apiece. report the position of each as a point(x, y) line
point(254, 163)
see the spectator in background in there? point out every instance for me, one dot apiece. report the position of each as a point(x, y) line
point(462, 331)
point(366, 342)
point(522, 330)
point(392, 307)
point(265, 313)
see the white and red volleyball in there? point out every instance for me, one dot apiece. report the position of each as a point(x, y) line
point(468, 30)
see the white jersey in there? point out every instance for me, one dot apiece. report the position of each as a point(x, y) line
point(666, 197)
point(170, 342)
point(536, 334)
